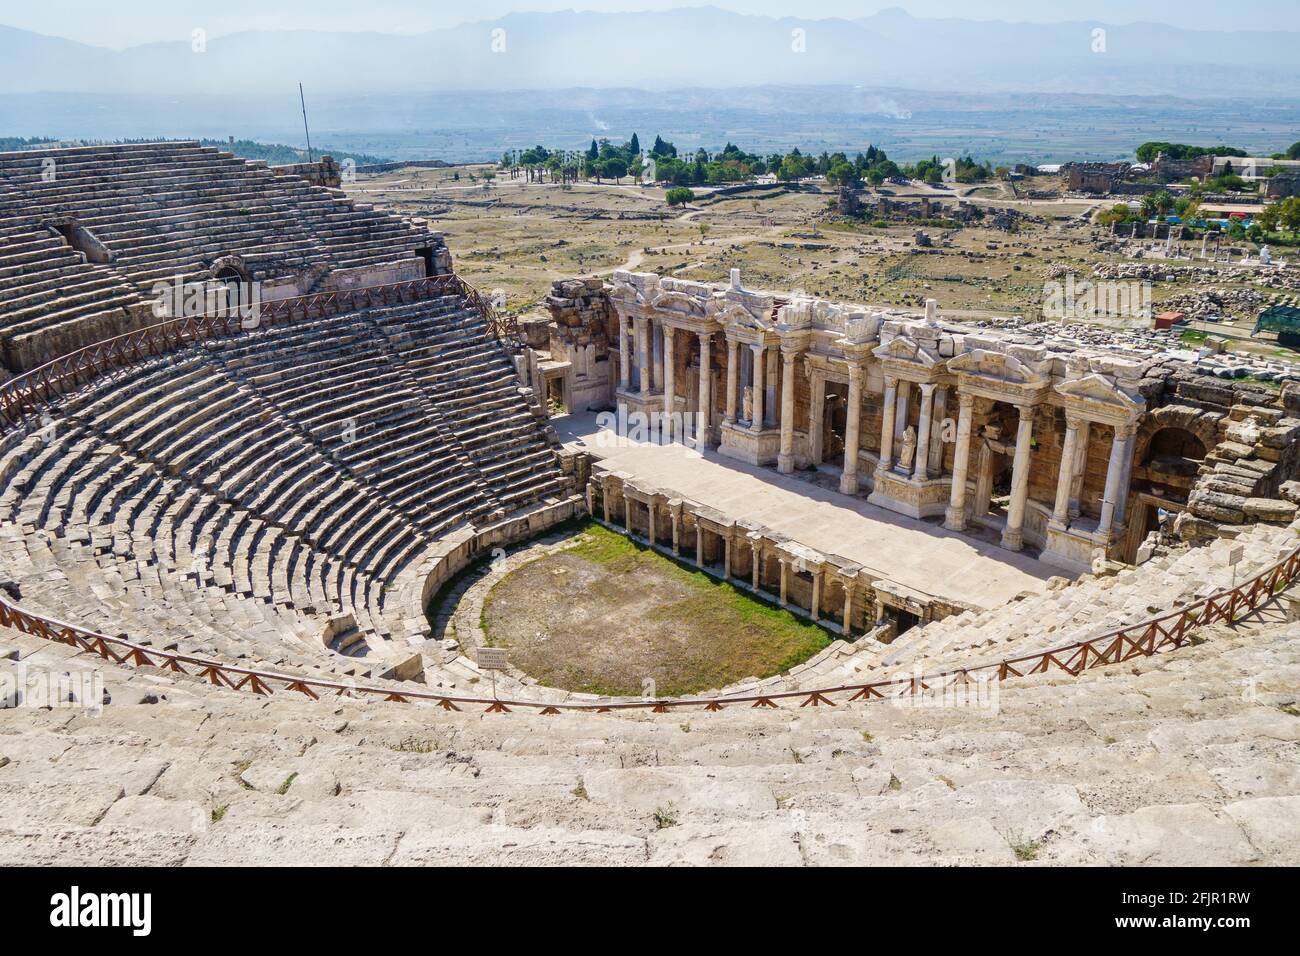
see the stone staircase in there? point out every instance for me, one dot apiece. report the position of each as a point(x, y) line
point(1183, 759)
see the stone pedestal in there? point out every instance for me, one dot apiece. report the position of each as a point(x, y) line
point(909, 496)
point(740, 442)
point(1071, 549)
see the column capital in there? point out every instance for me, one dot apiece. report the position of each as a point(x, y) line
point(705, 337)
point(1126, 431)
point(1025, 409)
point(891, 381)
point(789, 357)
point(965, 400)
point(1075, 422)
point(927, 388)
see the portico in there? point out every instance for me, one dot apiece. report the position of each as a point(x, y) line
point(1092, 403)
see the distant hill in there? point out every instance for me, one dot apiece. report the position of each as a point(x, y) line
point(701, 46)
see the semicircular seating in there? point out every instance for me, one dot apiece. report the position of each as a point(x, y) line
point(273, 495)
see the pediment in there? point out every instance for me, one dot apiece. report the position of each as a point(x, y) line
point(622, 292)
point(735, 314)
point(1100, 389)
point(901, 348)
point(679, 302)
point(998, 367)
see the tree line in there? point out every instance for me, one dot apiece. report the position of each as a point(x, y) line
point(605, 159)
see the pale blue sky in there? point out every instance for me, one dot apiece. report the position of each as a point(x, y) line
point(119, 23)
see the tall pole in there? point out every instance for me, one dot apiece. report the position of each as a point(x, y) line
point(303, 99)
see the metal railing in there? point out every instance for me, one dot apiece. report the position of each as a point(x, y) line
point(1169, 631)
point(28, 393)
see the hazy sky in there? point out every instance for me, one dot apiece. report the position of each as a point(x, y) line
point(119, 23)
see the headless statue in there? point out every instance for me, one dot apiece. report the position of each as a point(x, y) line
point(747, 410)
point(908, 453)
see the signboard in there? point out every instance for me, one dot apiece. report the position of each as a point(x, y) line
point(1236, 554)
point(491, 658)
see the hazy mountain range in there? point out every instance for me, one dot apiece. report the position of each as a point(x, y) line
point(702, 47)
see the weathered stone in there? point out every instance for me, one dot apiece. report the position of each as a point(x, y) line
point(1268, 509)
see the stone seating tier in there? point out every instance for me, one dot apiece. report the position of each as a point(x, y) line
point(234, 497)
point(163, 212)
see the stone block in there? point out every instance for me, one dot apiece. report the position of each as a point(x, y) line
point(1270, 510)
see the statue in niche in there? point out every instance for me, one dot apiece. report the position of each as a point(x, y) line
point(908, 453)
point(747, 404)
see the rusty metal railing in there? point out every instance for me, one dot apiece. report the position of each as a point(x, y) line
point(30, 392)
point(1146, 639)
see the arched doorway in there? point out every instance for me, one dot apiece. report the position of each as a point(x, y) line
point(1167, 462)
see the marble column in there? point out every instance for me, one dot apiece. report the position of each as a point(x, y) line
point(817, 419)
point(922, 469)
point(887, 424)
point(785, 581)
point(847, 627)
point(785, 457)
point(936, 431)
point(758, 388)
point(733, 380)
point(726, 556)
point(643, 356)
point(955, 519)
point(756, 564)
point(1126, 476)
point(650, 522)
point(624, 355)
point(903, 392)
point(1080, 468)
point(773, 366)
point(670, 383)
point(852, 427)
point(1065, 479)
point(815, 609)
point(1120, 450)
point(699, 544)
point(1013, 536)
point(704, 430)
point(676, 514)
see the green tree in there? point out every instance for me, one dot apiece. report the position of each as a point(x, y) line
point(679, 195)
point(1294, 151)
point(1289, 214)
point(634, 146)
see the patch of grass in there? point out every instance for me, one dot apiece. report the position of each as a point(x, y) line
point(867, 736)
point(1025, 850)
point(218, 813)
point(1289, 709)
point(894, 784)
point(580, 791)
point(284, 787)
point(607, 611)
point(414, 745)
point(665, 817)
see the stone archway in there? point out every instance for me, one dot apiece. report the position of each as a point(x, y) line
point(1205, 427)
